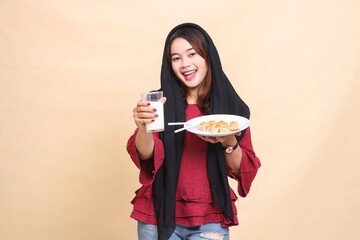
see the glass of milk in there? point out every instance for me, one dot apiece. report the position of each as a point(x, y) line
point(154, 99)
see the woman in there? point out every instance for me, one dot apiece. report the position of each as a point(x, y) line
point(185, 192)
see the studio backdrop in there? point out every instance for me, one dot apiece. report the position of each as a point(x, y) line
point(72, 71)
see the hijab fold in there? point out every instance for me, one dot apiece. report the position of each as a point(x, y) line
point(224, 100)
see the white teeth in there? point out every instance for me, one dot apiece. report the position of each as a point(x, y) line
point(188, 73)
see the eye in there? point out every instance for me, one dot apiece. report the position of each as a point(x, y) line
point(192, 54)
point(174, 59)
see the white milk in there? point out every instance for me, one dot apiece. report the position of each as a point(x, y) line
point(158, 124)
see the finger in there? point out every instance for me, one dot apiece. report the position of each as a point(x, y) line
point(146, 115)
point(211, 139)
point(203, 138)
point(142, 103)
point(143, 120)
point(218, 139)
point(163, 99)
point(144, 108)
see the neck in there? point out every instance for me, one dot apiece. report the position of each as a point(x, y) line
point(192, 97)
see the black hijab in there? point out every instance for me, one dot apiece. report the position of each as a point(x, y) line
point(224, 100)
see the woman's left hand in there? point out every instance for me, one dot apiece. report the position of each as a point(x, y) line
point(233, 160)
point(225, 140)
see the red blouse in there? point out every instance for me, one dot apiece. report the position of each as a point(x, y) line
point(194, 205)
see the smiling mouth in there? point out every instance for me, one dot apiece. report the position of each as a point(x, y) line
point(189, 75)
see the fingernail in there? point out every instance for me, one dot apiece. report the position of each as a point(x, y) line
point(148, 104)
point(154, 109)
point(156, 115)
point(153, 120)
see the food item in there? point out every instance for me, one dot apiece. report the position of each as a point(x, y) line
point(213, 128)
point(234, 126)
point(224, 127)
point(203, 126)
point(218, 127)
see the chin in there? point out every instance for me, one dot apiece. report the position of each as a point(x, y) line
point(192, 85)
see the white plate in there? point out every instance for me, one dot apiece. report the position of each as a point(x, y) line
point(193, 124)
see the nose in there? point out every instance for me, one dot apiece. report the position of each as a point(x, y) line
point(185, 63)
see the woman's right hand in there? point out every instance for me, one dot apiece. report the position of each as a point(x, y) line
point(143, 113)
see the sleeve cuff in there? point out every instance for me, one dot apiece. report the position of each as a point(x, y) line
point(148, 168)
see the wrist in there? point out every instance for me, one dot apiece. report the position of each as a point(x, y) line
point(231, 148)
point(144, 135)
point(231, 141)
point(142, 130)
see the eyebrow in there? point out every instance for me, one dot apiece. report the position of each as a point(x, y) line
point(186, 51)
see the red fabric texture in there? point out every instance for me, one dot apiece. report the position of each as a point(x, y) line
point(194, 205)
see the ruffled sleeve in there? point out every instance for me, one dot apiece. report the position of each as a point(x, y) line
point(148, 168)
point(249, 165)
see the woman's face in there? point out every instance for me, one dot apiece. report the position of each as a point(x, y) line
point(188, 65)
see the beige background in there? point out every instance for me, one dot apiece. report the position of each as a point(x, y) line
point(71, 72)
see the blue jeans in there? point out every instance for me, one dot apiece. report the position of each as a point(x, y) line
point(212, 231)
